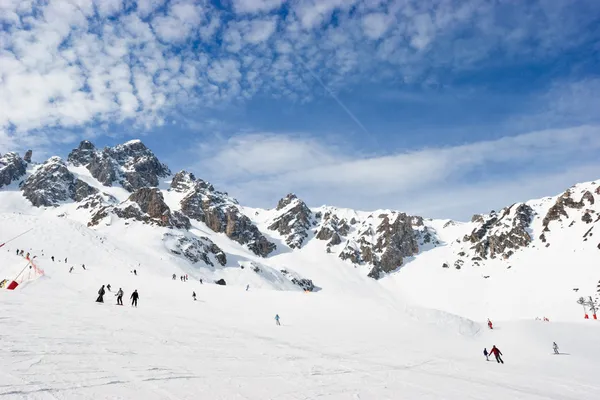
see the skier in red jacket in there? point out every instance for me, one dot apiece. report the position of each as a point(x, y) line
point(490, 324)
point(497, 353)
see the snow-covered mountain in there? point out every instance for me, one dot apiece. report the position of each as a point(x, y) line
point(127, 194)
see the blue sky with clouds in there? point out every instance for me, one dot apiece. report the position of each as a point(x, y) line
point(438, 107)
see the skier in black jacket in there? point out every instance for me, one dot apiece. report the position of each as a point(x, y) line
point(134, 298)
point(101, 292)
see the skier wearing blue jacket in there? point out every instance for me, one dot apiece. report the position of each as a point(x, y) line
point(277, 319)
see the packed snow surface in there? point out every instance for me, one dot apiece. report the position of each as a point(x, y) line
point(355, 339)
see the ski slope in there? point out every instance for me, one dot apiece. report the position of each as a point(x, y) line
point(358, 340)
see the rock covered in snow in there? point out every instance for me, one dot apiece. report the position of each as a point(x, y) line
point(53, 183)
point(12, 168)
point(28, 155)
point(501, 235)
point(195, 249)
point(146, 205)
point(219, 212)
point(293, 220)
point(565, 202)
point(132, 164)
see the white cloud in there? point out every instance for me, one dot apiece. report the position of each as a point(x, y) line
point(256, 6)
point(261, 167)
point(376, 24)
point(223, 71)
point(72, 63)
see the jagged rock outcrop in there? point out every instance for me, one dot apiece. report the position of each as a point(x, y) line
point(293, 220)
point(52, 183)
point(195, 249)
point(396, 239)
point(132, 164)
point(12, 168)
point(146, 205)
point(82, 155)
point(28, 155)
point(330, 225)
point(564, 202)
point(501, 235)
point(220, 213)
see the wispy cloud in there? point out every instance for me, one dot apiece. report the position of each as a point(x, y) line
point(262, 166)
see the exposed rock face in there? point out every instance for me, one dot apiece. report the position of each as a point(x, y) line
point(501, 235)
point(564, 202)
point(12, 168)
point(380, 243)
point(220, 213)
point(132, 164)
point(293, 222)
point(52, 183)
point(149, 207)
point(195, 249)
point(28, 155)
point(396, 240)
point(82, 155)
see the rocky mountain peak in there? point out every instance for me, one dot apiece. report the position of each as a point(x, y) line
point(12, 168)
point(131, 164)
point(284, 202)
point(501, 234)
point(27, 156)
point(83, 154)
point(220, 213)
point(293, 221)
point(53, 183)
point(183, 181)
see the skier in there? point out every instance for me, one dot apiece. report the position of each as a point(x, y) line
point(555, 347)
point(101, 292)
point(486, 354)
point(277, 319)
point(186, 277)
point(17, 251)
point(174, 276)
point(65, 260)
point(247, 287)
point(71, 270)
point(119, 297)
point(83, 266)
point(194, 295)
point(27, 256)
point(108, 287)
point(135, 272)
point(497, 353)
point(490, 324)
point(201, 282)
point(52, 258)
point(134, 298)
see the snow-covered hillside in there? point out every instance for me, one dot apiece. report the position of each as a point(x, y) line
point(374, 305)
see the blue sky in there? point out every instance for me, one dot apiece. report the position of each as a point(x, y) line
point(437, 107)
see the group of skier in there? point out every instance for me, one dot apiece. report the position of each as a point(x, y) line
point(134, 296)
point(497, 353)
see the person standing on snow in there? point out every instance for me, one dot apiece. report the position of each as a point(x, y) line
point(52, 258)
point(277, 319)
point(108, 287)
point(119, 297)
point(101, 292)
point(71, 270)
point(174, 276)
point(134, 298)
point(555, 347)
point(83, 266)
point(490, 324)
point(247, 287)
point(486, 354)
point(194, 295)
point(497, 353)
